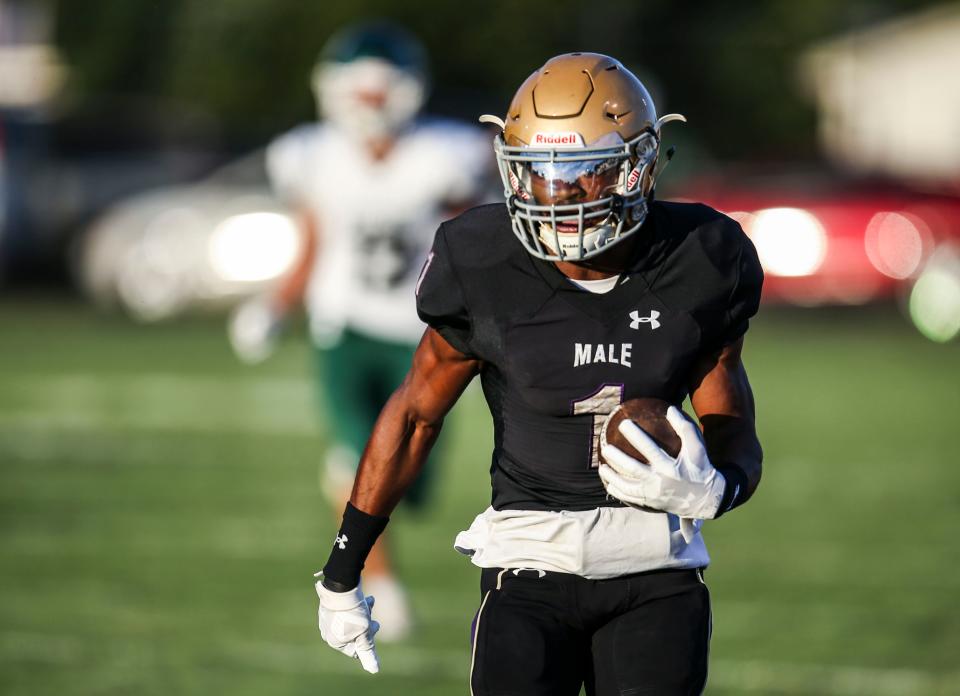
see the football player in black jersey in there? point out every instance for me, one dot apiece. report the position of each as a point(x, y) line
point(581, 293)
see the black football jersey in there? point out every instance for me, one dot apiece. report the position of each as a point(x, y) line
point(557, 358)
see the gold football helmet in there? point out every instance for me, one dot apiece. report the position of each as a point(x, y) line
point(577, 156)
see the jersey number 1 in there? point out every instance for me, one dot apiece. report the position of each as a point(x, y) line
point(599, 405)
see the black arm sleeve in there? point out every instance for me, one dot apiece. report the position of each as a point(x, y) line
point(441, 303)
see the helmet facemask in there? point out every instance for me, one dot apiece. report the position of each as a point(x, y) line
point(572, 201)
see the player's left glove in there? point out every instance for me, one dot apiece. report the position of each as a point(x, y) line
point(253, 329)
point(687, 485)
point(346, 626)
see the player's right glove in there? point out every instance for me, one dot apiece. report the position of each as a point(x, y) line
point(346, 626)
point(687, 485)
point(253, 328)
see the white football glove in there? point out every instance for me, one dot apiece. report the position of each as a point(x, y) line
point(346, 626)
point(688, 485)
point(253, 328)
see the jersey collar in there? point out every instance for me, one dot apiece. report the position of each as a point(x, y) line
point(640, 271)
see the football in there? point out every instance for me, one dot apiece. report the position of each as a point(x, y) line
point(651, 415)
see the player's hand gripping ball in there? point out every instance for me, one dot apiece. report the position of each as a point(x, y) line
point(652, 456)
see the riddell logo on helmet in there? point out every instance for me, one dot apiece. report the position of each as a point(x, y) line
point(558, 139)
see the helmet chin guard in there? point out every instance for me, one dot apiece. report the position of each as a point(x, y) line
point(577, 156)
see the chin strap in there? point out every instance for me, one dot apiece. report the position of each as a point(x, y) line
point(671, 151)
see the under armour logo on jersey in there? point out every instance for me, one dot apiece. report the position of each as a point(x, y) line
point(652, 319)
point(341, 541)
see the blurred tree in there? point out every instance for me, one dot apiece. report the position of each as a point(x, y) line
point(117, 45)
point(729, 66)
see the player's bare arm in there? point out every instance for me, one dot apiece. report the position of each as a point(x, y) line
point(723, 400)
point(409, 424)
point(398, 447)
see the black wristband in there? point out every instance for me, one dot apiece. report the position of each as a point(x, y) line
point(736, 492)
point(357, 535)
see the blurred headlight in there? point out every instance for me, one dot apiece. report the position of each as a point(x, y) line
point(935, 298)
point(894, 244)
point(254, 247)
point(789, 241)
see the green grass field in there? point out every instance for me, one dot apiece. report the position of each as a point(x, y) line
point(160, 518)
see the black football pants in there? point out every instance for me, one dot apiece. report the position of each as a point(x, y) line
point(547, 634)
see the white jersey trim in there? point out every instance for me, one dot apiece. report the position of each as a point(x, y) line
point(596, 544)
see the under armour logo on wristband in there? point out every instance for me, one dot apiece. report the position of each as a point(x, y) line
point(341, 541)
point(652, 319)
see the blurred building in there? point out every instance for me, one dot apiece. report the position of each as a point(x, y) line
point(889, 104)
point(889, 97)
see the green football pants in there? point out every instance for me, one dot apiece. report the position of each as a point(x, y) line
point(354, 380)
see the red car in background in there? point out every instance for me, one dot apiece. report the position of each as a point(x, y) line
point(829, 245)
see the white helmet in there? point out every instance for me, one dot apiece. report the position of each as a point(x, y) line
point(370, 80)
point(577, 156)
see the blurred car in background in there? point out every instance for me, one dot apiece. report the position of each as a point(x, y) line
point(62, 169)
point(824, 242)
point(200, 245)
point(821, 241)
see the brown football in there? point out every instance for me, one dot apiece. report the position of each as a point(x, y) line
point(649, 414)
